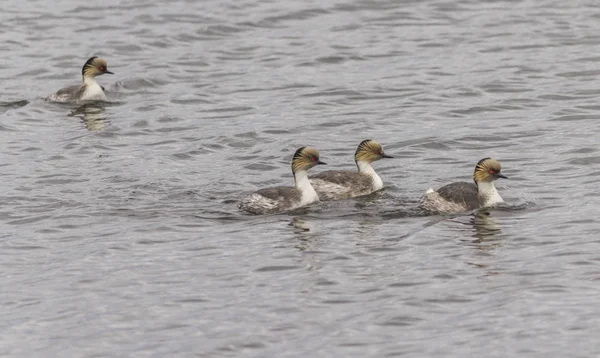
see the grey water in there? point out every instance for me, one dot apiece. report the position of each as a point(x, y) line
point(119, 231)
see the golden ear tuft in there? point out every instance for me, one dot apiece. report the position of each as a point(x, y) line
point(486, 169)
point(93, 66)
point(305, 158)
point(368, 150)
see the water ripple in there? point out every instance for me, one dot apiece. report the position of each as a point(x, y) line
point(121, 232)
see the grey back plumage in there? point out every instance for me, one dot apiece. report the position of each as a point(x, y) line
point(461, 193)
point(340, 184)
point(451, 198)
point(271, 200)
point(345, 177)
point(285, 194)
point(71, 92)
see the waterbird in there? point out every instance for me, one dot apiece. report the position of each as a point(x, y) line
point(462, 196)
point(89, 90)
point(285, 198)
point(343, 184)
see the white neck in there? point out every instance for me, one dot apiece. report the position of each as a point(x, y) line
point(93, 91)
point(488, 193)
point(309, 195)
point(366, 168)
point(90, 81)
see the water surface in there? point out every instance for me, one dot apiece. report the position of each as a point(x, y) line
point(120, 232)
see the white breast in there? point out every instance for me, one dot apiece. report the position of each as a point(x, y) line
point(367, 169)
point(93, 92)
point(488, 192)
point(309, 195)
point(377, 182)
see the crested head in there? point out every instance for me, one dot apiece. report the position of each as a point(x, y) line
point(305, 158)
point(487, 170)
point(369, 151)
point(95, 66)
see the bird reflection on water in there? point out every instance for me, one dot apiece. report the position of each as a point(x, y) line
point(303, 233)
point(486, 226)
point(92, 115)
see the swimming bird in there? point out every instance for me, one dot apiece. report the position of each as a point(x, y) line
point(343, 184)
point(285, 198)
point(461, 196)
point(89, 90)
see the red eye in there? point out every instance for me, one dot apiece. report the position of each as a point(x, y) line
point(314, 159)
point(101, 68)
point(492, 171)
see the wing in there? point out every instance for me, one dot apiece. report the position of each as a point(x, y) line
point(460, 193)
point(280, 193)
point(271, 200)
point(346, 178)
point(341, 177)
point(67, 94)
point(340, 184)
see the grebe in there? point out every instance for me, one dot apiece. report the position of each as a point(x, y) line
point(462, 196)
point(343, 184)
point(284, 198)
point(89, 90)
